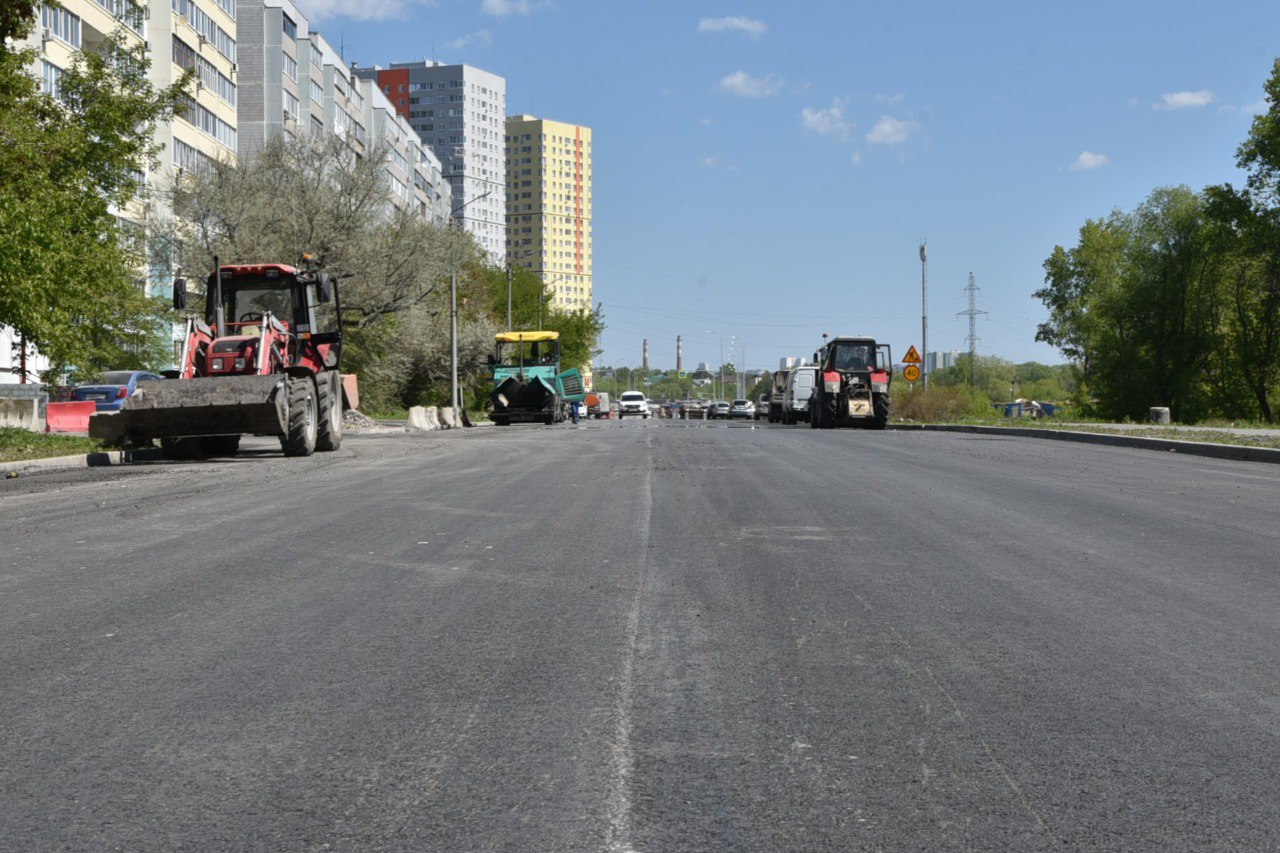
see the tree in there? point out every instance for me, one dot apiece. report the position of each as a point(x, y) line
point(1134, 305)
point(1248, 236)
point(311, 195)
point(69, 268)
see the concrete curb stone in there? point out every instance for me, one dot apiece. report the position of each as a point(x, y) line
point(1189, 448)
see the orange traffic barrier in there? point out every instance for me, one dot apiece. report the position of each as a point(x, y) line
point(351, 390)
point(69, 417)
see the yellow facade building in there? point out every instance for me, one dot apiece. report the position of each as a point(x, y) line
point(549, 206)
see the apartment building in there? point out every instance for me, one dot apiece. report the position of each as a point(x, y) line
point(458, 111)
point(199, 35)
point(280, 84)
point(549, 205)
point(415, 174)
point(293, 82)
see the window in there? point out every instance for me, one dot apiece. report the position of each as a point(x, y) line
point(290, 105)
point(317, 92)
point(189, 159)
point(184, 55)
point(62, 24)
point(290, 67)
point(198, 116)
point(290, 27)
point(211, 78)
point(51, 80)
point(131, 15)
point(204, 25)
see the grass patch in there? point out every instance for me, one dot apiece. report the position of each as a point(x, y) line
point(17, 444)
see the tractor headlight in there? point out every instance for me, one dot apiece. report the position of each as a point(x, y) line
point(217, 363)
point(240, 363)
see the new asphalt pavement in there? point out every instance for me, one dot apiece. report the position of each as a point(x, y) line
point(648, 636)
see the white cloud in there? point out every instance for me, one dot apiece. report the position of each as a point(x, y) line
point(891, 131)
point(856, 157)
point(747, 26)
point(1089, 160)
point(319, 11)
point(1184, 100)
point(507, 8)
point(895, 98)
point(744, 85)
point(710, 162)
point(828, 122)
point(705, 122)
point(480, 38)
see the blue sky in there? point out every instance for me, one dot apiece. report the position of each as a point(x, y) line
point(766, 171)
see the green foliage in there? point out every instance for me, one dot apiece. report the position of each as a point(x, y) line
point(1177, 303)
point(1133, 304)
point(17, 444)
point(532, 308)
point(69, 269)
point(940, 403)
point(1000, 380)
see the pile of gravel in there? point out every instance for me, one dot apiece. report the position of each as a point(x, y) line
point(352, 419)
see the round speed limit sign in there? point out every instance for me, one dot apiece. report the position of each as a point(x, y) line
point(911, 373)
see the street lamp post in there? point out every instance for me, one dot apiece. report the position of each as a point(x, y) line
point(720, 366)
point(454, 396)
point(924, 313)
point(740, 368)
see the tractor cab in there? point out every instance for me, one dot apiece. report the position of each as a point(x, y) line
point(263, 318)
point(527, 354)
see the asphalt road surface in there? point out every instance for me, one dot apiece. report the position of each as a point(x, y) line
point(647, 636)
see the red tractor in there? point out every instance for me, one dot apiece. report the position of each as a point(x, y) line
point(264, 361)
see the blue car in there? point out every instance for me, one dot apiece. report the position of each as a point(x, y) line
point(114, 388)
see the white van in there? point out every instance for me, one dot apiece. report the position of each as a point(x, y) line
point(795, 399)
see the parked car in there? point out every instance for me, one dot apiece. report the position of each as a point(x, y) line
point(112, 389)
point(762, 406)
point(718, 409)
point(692, 409)
point(633, 403)
point(742, 409)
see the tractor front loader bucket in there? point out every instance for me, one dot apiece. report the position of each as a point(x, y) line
point(178, 408)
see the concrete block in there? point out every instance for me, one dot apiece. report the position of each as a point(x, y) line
point(448, 418)
point(1159, 415)
point(433, 417)
point(20, 413)
point(417, 420)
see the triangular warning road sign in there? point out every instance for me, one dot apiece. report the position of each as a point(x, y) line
point(912, 357)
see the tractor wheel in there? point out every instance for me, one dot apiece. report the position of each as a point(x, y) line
point(220, 445)
point(825, 419)
point(881, 419)
point(181, 448)
point(300, 440)
point(329, 407)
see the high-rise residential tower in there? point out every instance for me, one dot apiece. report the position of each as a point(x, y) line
point(458, 111)
point(292, 82)
point(549, 205)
